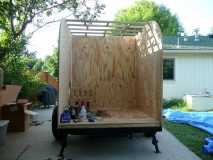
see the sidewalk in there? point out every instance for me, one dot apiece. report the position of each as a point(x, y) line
point(40, 145)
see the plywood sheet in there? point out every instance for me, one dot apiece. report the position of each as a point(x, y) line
point(65, 47)
point(149, 70)
point(137, 119)
point(103, 70)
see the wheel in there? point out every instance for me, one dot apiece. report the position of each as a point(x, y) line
point(148, 134)
point(57, 133)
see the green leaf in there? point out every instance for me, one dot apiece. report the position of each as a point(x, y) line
point(144, 10)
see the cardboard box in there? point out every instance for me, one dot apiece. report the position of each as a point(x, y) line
point(15, 113)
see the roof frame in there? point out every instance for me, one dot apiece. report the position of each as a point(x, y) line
point(103, 28)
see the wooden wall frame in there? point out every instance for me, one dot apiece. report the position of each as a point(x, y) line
point(118, 72)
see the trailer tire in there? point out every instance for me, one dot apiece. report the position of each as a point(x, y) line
point(148, 134)
point(57, 133)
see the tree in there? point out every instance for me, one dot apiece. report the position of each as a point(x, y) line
point(144, 10)
point(10, 46)
point(38, 66)
point(16, 15)
point(17, 70)
point(51, 64)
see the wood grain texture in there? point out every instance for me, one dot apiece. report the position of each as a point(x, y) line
point(103, 70)
point(46, 77)
point(65, 48)
point(137, 118)
point(122, 75)
point(149, 80)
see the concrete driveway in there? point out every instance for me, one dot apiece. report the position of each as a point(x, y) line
point(38, 144)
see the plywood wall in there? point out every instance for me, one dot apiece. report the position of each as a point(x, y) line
point(112, 72)
point(65, 48)
point(149, 70)
point(103, 71)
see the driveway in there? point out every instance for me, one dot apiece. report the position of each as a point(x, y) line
point(37, 143)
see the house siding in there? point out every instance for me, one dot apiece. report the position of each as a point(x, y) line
point(193, 74)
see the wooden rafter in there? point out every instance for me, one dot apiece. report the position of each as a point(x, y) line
point(102, 28)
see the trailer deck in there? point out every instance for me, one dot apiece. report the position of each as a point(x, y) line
point(118, 119)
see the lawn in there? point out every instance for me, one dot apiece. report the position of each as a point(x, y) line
point(191, 137)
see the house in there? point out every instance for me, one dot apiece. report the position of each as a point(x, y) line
point(187, 66)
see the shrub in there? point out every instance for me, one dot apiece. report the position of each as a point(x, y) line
point(17, 71)
point(174, 103)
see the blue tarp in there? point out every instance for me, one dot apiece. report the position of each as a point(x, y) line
point(208, 147)
point(202, 120)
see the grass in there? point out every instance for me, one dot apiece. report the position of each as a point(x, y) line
point(191, 137)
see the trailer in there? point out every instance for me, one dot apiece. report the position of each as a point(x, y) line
point(115, 68)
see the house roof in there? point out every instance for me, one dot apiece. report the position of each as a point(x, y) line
point(187, 43)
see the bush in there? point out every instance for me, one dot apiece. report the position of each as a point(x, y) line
point(51, 64)
point(17, 71)
point(174, 103)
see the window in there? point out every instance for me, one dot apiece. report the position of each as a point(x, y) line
point(169, 69)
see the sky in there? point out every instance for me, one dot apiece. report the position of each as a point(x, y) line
point(191, 13)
